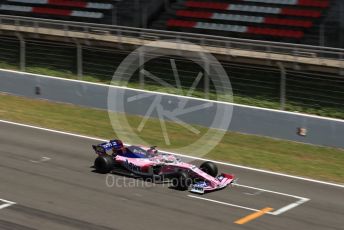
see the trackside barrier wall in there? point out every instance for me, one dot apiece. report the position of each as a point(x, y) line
point(245, 119)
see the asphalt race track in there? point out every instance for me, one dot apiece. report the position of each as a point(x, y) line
point(46, 182)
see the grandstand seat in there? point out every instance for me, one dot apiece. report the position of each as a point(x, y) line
point(68, 3)
point(254, 8)
point(273, 19)
point(313, 3)
point(244, 18)
point(235, 28)
point(62, 9)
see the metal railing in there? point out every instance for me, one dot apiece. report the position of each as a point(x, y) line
point(296, 50)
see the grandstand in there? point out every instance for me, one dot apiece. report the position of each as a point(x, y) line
point(276, 20)
point(314, 22)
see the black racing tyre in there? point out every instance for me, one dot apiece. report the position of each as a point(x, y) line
point(181, 181)
point(104, 164)
point(209, 168)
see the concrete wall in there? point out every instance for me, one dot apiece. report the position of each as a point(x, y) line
point(245, 119)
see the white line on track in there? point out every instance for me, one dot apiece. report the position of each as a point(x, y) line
point(224, 203)
point(254, 194)
point(289, 206)
point(300, 200)
point(191, 157)
point(6, 203)
point(43, 159)
point(270, 191)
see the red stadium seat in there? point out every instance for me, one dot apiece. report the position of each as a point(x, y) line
point(254, 9)
point(244, 18)
point(52, 11)
point(312, 3)
point(235, 28)
point(67, 3)
point(86, 9)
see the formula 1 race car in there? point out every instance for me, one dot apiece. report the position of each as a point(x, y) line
point(149, 163)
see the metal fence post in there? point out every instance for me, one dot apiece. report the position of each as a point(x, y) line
point(79, 60)
point(114, 15)
point(144, 17)
point(206, 72)
point(268, 49)
point(137, 14)
point(341, 67)
point(65, 28)
point(35, 25)
point(341, 25)
point(142, 67)
point(282, 85)
point(22, 52)
point(206, 78)
point(228, 49)
point(322, 34)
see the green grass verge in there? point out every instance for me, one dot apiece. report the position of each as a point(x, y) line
point(282, 156)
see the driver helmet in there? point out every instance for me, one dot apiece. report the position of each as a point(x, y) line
point(117, 147)
point(152, 151)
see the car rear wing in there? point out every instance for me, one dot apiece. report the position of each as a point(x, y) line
point(102, 148)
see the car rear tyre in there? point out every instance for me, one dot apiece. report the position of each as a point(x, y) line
point(182, 181)
point(104, 164)
point(210, 168)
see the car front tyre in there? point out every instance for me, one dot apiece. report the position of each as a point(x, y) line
point(210, 168)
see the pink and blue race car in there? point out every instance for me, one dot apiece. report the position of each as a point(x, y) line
point(115, 157)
